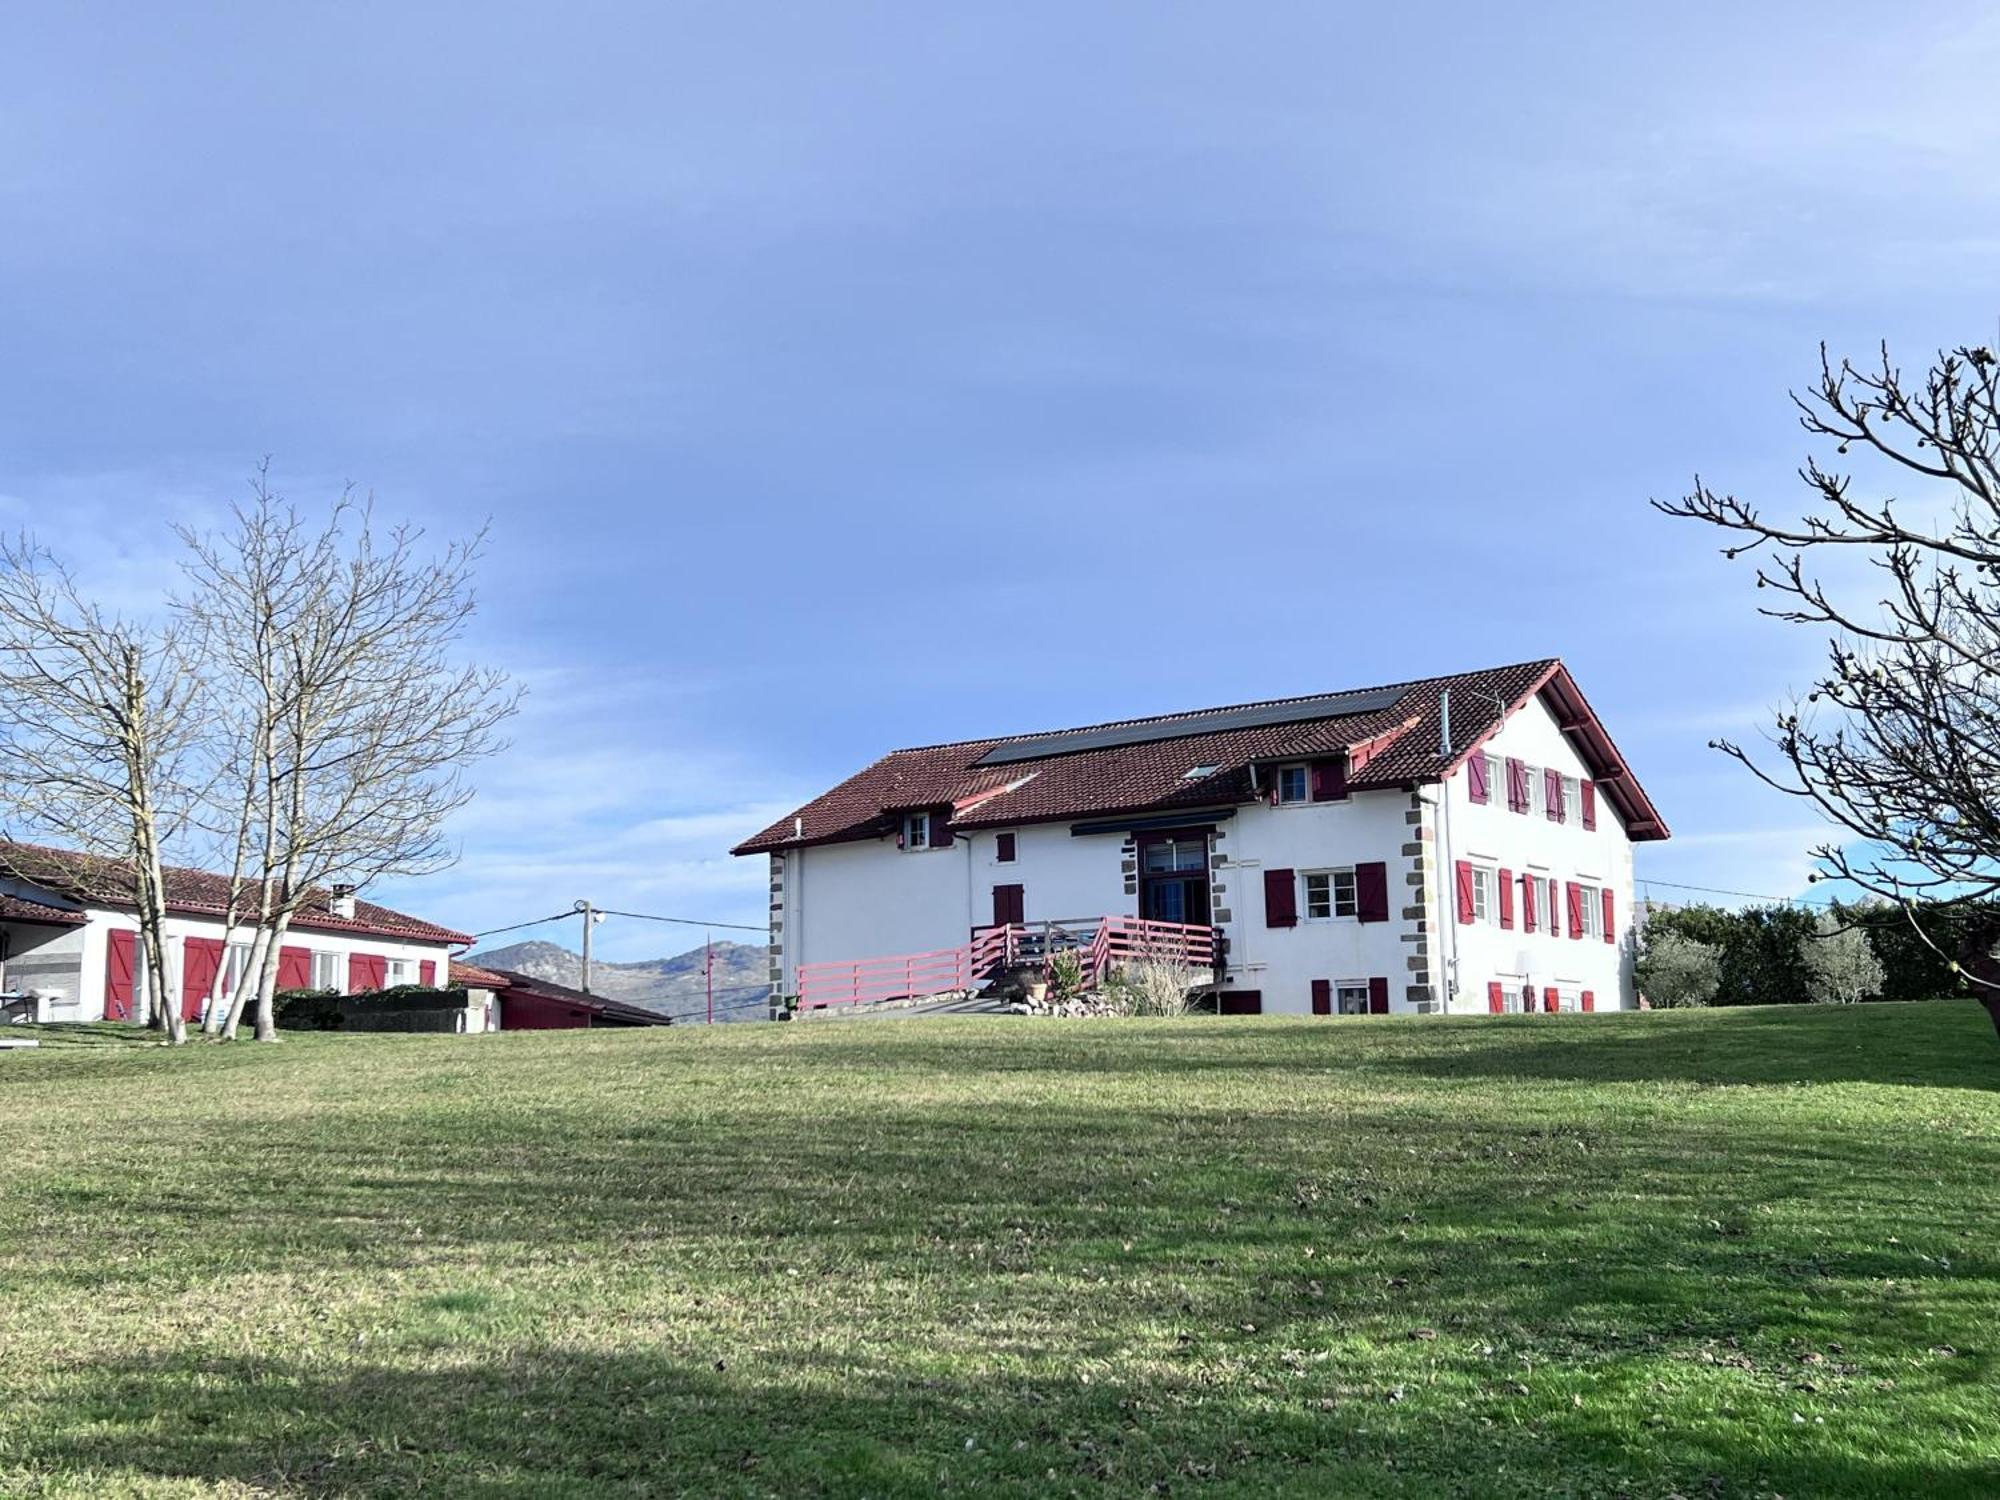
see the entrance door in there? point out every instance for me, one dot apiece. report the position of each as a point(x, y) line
point(1173, 876)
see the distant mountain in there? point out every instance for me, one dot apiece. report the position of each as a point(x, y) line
point(673, 985)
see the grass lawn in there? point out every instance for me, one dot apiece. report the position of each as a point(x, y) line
point(1733, 1253)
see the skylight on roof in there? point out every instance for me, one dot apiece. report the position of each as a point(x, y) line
point(1200, 773)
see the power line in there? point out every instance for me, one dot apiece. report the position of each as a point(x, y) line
point(646, 916)
point(516, 927)
point(641, 916)
point(1712, 890)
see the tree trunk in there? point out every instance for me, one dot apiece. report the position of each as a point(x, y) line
point(267, 980)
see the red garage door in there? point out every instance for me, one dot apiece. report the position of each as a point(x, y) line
point(201, 961)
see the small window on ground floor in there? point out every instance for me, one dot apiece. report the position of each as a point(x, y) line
point(1351, 998)
point(401, 971)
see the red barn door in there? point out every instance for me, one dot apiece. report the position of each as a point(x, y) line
point(201, 961)
point(119, 962)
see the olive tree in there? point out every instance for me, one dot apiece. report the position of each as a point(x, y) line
point(1841, 963)
point(1676, 970)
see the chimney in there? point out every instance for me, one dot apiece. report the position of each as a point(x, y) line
point(341, 902)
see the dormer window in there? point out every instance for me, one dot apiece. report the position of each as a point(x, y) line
point(916, 830)
point(1294, 785)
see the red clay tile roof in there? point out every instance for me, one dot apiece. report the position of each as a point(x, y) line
point(1386, 747)
point(20, 909)
point(96, 881)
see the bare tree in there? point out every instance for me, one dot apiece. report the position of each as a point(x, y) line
point(362, 722)
point(97, 718)
point(1898, 742)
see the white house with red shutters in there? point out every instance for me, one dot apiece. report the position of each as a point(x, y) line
point(69, 941)
point(1454, 844)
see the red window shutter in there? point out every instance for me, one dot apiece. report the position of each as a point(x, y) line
point(1496, 998)
point(1589, 1001)
point(1371, 892)
point(1551, 1001)
point(1378, 997)
point(1281, 899)
point(1322, 997)
point(1003, 848)
point(119, 961)
point(1575, 895)
point(1517, 785)
point(1527, 903)
point(1465, 907)
point(1590, 805)
point(941, 829)
point(366, 972)
point(427, 973)
point(1552, 789)
point(1507, 900)
point(1610, 923)
point(1329, 781)
point(1475, 779)
point(295, 968)
point(1010, 905)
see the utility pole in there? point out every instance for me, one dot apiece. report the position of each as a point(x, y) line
point(589, 915)
point(708, 975)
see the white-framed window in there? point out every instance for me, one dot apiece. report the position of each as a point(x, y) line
point(329, 971)
point(1538, 791)
point(1569, 995)
point(400, 971)
point(1593, 909)
point(1294, 785)
point(1496, 787)
point(1329, 895)
point(916, 830)
point(1572, 801)
point(1485, 893)
point(1514, 994)
point(1350, 997)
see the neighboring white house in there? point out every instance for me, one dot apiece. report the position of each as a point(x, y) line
point(1460, 843)
point(68, 940)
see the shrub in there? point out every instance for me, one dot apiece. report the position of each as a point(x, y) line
point(327, 1010)
point(1161, 986)
point(1676, 970)
point(1065, 974)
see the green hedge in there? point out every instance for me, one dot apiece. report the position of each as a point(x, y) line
point(325, 1010)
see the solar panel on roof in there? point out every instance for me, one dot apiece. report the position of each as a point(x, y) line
point(1329, 706)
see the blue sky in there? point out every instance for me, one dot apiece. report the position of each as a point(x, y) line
point(844, 377)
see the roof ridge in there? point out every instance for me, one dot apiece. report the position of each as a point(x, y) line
point(1539, 662)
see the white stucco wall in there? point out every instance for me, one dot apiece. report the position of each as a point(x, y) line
point(1282, 962)
point(1494, 835)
